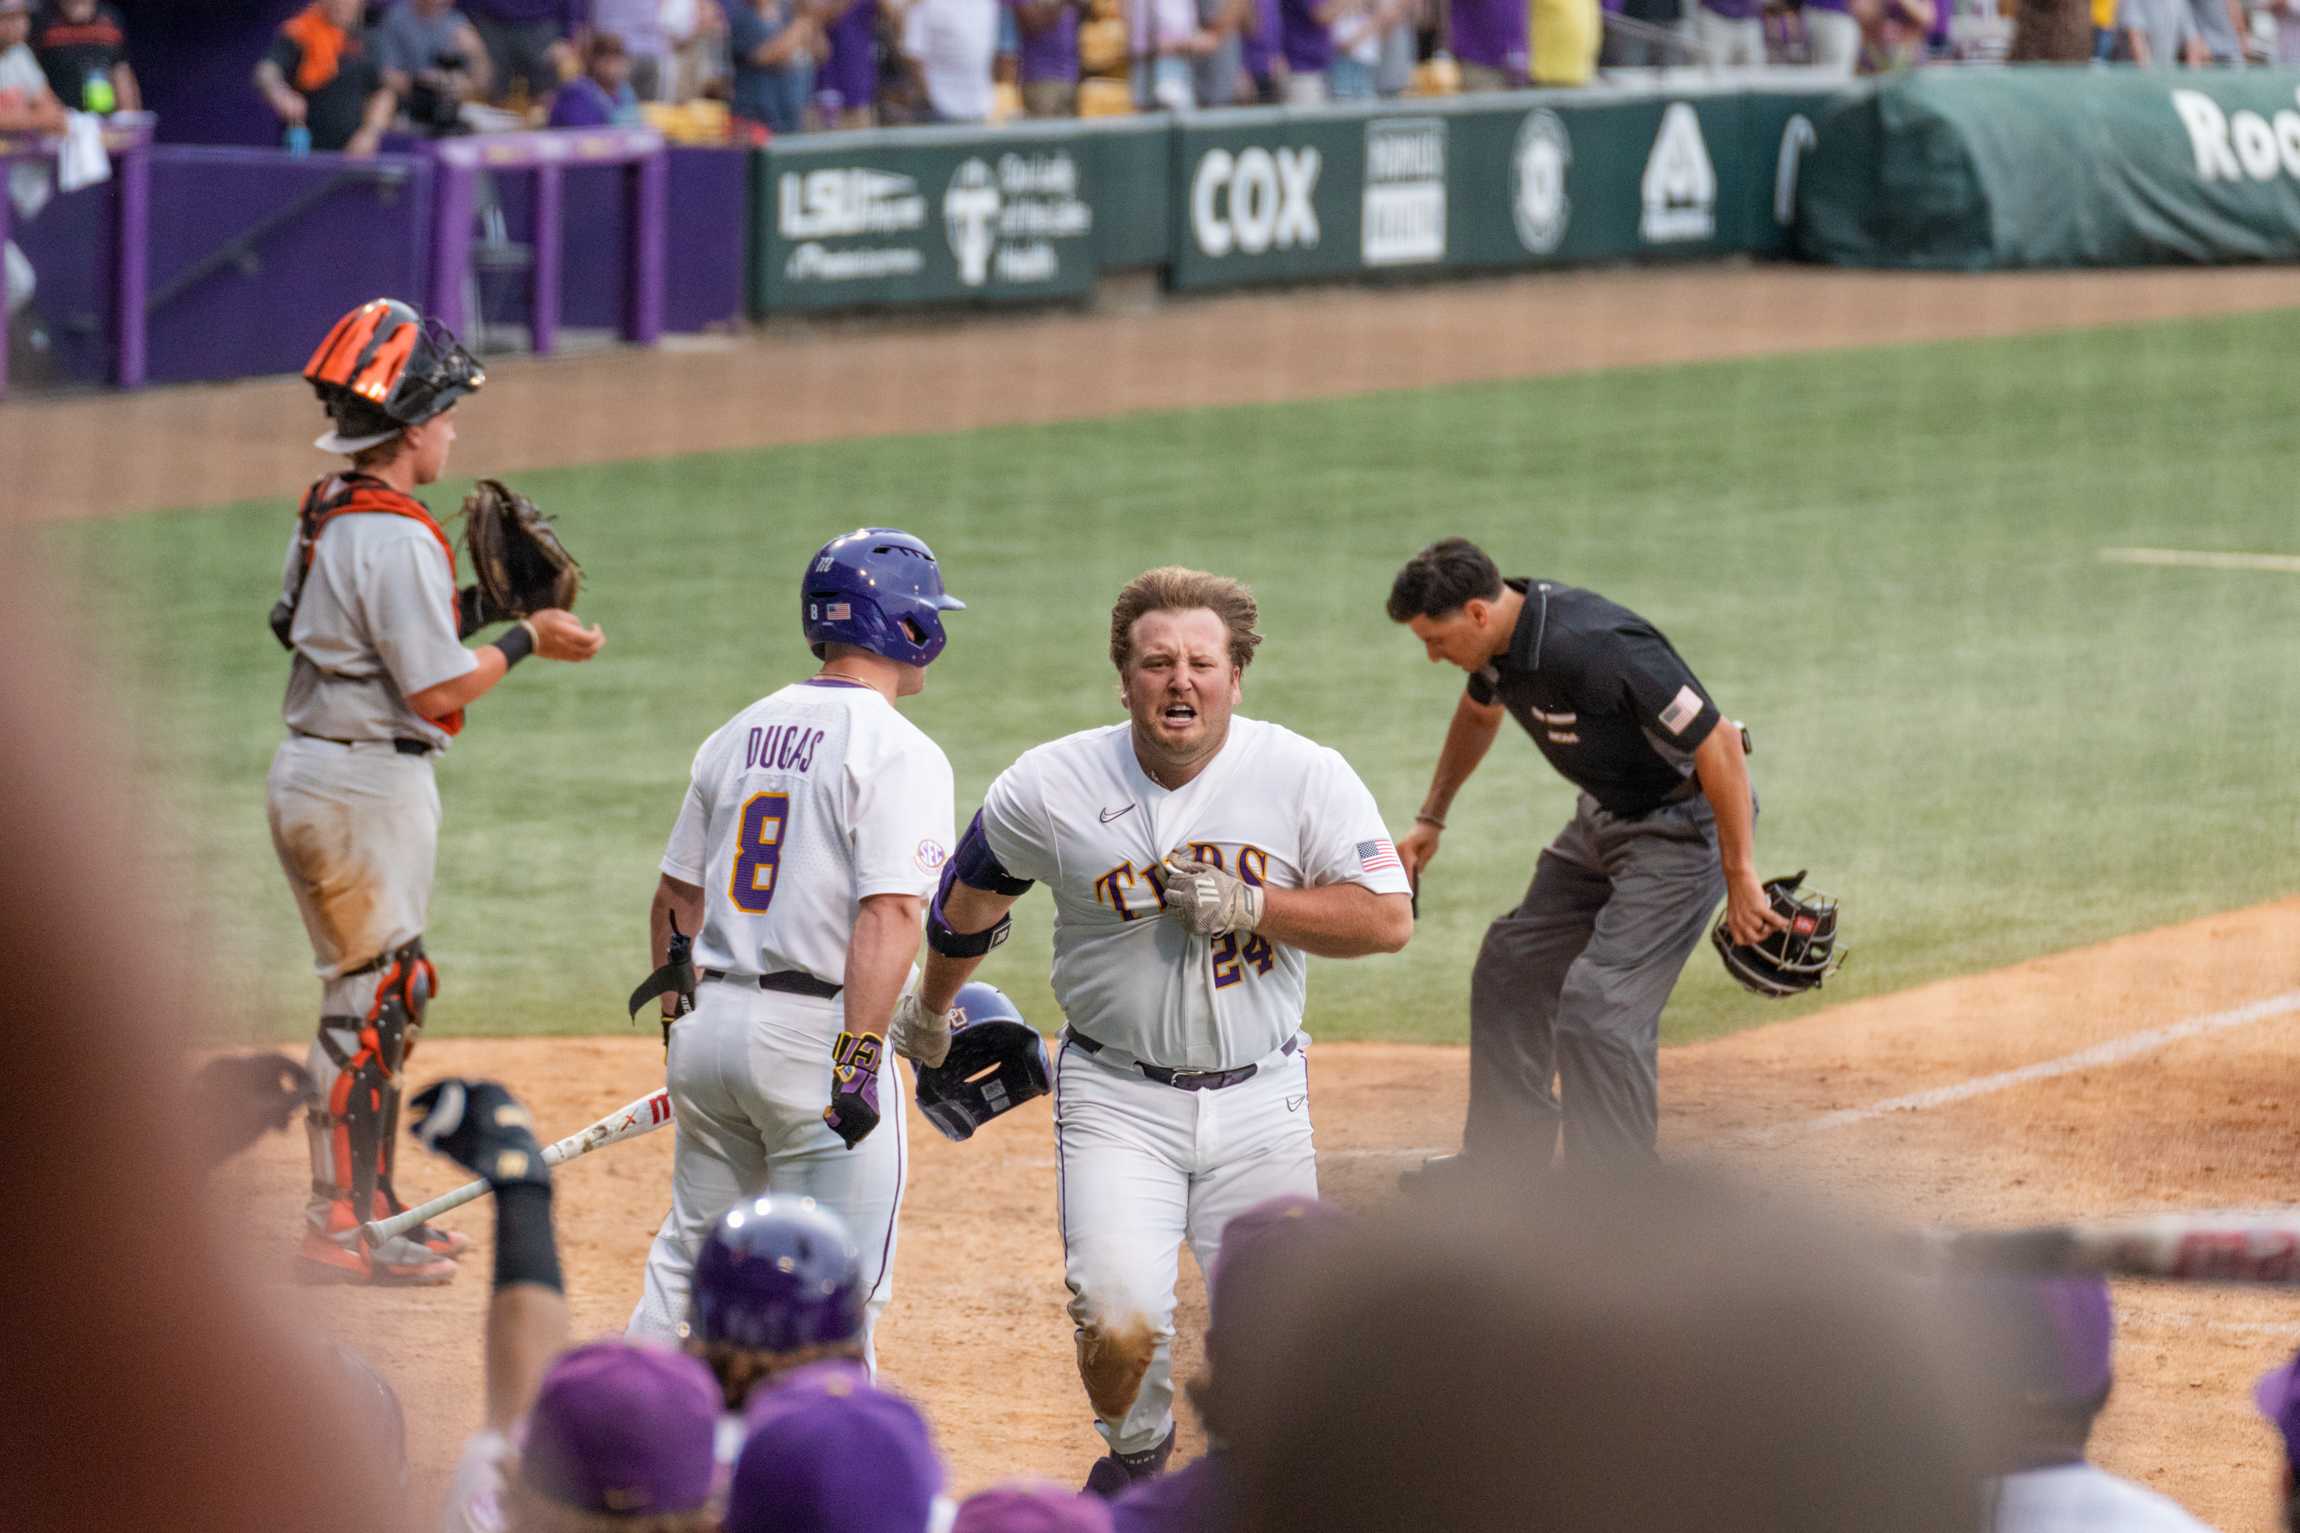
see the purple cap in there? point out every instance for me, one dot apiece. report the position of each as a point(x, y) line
point(1032, 1509)
point(2278, 1396)
point(833, 1454)
point(1266, 1232)
point(2058, 1335)
point(622, 1428)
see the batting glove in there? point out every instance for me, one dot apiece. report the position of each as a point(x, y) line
point(919, 1034)
point(1212, 901)
point(481, 1128)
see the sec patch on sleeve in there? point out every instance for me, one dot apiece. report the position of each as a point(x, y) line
point(930, 856)
point(1683, 709)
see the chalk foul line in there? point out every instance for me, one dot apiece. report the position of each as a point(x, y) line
point(2200, 559)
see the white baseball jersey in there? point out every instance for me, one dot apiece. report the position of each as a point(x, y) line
point(2080, 1498)
point(799, 808)
point(1081, 816)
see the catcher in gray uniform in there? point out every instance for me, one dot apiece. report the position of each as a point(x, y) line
point(380, 678)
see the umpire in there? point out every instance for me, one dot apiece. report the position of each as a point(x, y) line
point(1571, 983)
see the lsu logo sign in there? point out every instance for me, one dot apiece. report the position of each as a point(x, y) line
point(1679, 187)
point(1254, 201)
point(2239, 145)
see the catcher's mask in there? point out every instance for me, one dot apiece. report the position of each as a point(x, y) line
point(997, 1062)
point(879, 590)
point(383, 368)
point(1787, 962)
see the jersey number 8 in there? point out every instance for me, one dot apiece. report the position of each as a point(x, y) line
point(758, 852)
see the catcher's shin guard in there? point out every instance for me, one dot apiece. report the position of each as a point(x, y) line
point(363, 1104)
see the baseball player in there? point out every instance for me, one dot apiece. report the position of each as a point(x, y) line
point(814, 826)
point(1196, 859)
point(380, 679)
point(1573, 980)
point(2053, 1338)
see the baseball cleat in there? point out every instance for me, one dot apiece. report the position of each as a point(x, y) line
point(1114, 1474)
point(440, 1242)
point(398, 1262)
point(1436, 1173)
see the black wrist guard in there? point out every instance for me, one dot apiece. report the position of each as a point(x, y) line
point(525, 1249)
point(517, 644)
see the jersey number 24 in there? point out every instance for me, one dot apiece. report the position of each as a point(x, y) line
point(758, 852)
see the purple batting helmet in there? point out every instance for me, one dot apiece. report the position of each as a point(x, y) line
point(997, 1062)
point(879, 590)
point(774, 1275)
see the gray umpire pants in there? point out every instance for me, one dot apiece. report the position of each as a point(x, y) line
point(1571, 984)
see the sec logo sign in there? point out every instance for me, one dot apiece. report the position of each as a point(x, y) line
point(1537, 173)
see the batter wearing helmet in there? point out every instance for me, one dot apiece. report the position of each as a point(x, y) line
point(1573, 980)
point(380, 678)
point(814, 826)
point(1196, 859)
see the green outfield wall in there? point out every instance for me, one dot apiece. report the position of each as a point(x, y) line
point(1936, 168)
point(1215, 200)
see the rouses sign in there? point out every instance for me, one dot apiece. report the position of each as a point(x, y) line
point(925, 222)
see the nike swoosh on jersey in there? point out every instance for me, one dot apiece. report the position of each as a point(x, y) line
point(1294, 1104)
point(1111, 814)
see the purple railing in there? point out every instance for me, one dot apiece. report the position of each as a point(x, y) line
point(128, 137)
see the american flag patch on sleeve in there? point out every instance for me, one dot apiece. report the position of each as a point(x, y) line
point(1378, 857)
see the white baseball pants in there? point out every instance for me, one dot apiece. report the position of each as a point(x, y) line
point(750, 1075)
point(1140, 1167)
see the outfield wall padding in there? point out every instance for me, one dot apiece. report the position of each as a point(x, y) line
point(2046, 167)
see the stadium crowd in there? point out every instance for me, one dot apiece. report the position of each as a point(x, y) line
point(342, 74)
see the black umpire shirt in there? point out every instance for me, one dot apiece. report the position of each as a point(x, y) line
point(1604, 696)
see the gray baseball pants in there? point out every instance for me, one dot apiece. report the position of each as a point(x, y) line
point(1571, 984)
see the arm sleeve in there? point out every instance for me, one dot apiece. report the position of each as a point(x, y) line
point(1659, 689)
point(1015, 824)
point(904, 805)
point(689, 847)
point(410, 610)
point(1481, 689)
point(283, 55)
point(1343, 838)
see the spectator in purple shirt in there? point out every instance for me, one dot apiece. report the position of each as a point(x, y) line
point(529, 42)
point(1306, 39)
point(1730, 34)
point(601, 96)
point(1048, 56)
point(1258, 50)
point(1489, 43)
point(846, 84)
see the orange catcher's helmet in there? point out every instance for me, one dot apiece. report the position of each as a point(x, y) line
point(383, 368)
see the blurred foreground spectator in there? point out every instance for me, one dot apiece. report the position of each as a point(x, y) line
point(1031, 1509)
point(433, 60)
point(1167, 44)
point(2159, 34)
point(1489, 41)
point(1219, 71)
point(530, 45)
point(1047, 62)
point(826, 1452)
point(2051, 1339)
point(1660, 1353)
point(2221, 28)
point(83, 48)
point(2278, 1396)
point(143, 1322)
point(950, 45)
point(602, 95)
point(772, 46)
point(322, 82)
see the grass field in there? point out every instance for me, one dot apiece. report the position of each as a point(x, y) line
point(1989, 743)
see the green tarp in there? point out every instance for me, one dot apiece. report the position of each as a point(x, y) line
point(2056, 167)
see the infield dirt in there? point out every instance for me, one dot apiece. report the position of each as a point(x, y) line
point(976, 1331)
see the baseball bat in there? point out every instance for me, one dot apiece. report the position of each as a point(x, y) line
point(2214, 1246)
point(629, 1121)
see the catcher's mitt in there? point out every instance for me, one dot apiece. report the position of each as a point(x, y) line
point(517, 561)
point(1787, 962)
